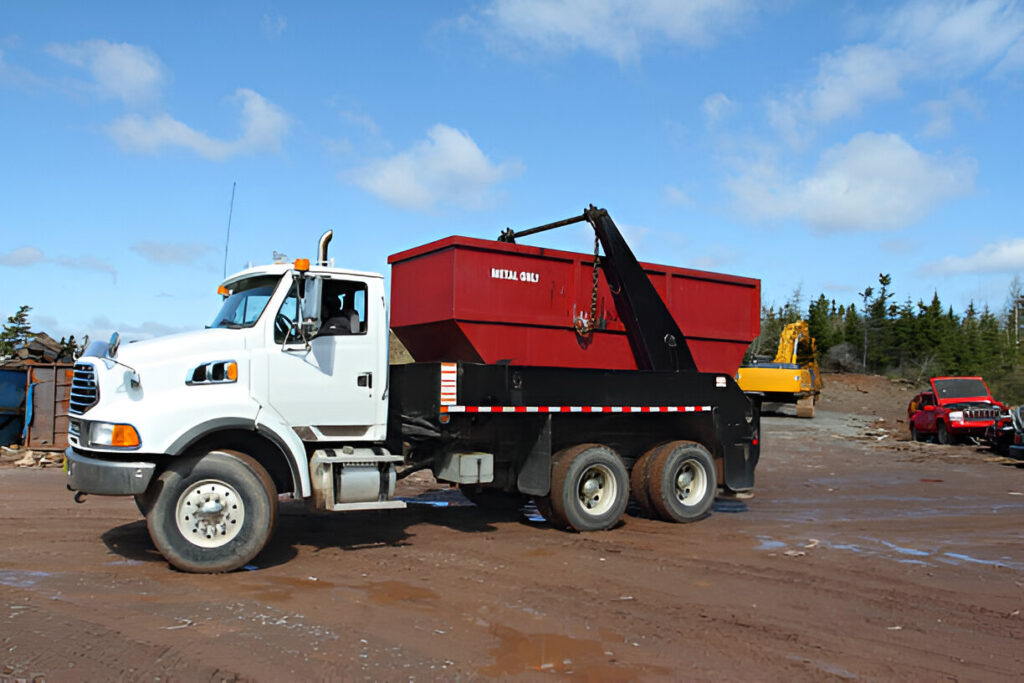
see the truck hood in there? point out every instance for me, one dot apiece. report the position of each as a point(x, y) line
point(212, 342)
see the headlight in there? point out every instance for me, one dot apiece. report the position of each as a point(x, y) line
point(956, 415)
point(115, 435)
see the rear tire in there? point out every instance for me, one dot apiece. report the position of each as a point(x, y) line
point(639, 486)
point(682, 481)
point(213, 513)
point(914, 434)
point(589, 488)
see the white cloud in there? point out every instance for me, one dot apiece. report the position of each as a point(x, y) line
point(131, 73)
point(274, 26)
point(929, 40)
point(22, 256)
point(89, 263)
point(951, 35)
point(616, 28)
point(101, 327)
point(361, 120)
point(674, 195)
point(1000, 257)
point(717, 107)
point(29, 256)
point(874, 182)
point(845, 81)
point(940, 112)
point(264, 125)
point(446, 168)
point(171, 252)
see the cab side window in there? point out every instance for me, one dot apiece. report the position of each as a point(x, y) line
point(287, 316)
point(343, 308)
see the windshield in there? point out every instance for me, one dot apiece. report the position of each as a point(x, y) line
point(960, 388)
point(248, 298)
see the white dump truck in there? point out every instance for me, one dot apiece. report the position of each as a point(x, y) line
point(289, 392)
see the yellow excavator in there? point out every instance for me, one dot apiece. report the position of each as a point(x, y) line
point(792, 376)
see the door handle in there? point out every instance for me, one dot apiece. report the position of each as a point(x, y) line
point(365, 380)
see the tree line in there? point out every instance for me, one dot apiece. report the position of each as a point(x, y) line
point(913, 340)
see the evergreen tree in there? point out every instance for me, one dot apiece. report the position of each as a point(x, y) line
point(819, 325)
point(16, 333)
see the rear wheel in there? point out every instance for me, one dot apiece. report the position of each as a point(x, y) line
point(214, 513)
point(914, 434)
point(639, 486)
point(682, 481)
point(589, 488)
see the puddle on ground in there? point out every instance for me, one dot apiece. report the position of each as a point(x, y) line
point(877, 547)
point(728, 505)
point(393, 592)
point(518, 653)
point(769, 544)
point(20, 579)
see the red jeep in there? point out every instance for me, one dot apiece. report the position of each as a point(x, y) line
point(956, 407)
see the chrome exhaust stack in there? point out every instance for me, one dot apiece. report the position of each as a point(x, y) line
point(321, 250)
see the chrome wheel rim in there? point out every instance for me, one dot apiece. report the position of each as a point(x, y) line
point(691, 483)
point(210, 513)
point(597, 490)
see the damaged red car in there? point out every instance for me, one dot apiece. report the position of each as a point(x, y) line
point(956, 409)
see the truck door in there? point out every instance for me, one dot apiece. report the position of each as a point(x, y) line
point(329, 384)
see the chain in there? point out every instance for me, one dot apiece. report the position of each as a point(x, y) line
point(583, 328)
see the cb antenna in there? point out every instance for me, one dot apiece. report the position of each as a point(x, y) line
point(227, 239)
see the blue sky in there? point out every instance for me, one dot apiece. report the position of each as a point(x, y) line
point(808, 144)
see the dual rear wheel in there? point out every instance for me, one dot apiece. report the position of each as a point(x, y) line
point(591, 487)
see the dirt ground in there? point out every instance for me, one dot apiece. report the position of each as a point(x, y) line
point(862, 556)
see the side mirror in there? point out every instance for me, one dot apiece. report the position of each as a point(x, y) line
point(930, 409)
point(309, 327)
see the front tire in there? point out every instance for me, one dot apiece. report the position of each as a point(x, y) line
point(589, 488)
point(213, 513)
point(942, 435)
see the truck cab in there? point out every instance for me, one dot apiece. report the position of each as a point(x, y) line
point(295, 358)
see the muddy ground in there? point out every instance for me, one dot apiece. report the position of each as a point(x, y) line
point(862, 556)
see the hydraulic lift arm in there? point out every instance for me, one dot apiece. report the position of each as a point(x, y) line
point(654, 336)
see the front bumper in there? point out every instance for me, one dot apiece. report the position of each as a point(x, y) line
point(107, 477)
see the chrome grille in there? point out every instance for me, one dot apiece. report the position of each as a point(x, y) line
point(981, 413)
point(84, 390)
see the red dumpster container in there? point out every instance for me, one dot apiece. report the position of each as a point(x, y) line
point(484, 301)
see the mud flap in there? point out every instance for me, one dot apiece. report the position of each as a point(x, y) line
point(535, 474)
point(742, 452)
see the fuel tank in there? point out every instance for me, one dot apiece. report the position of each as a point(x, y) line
point(482, 301)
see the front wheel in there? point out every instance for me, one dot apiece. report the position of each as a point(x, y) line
point(589, 488)
point(213, 513)
point(942, 436)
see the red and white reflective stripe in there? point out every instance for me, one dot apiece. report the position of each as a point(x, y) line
point(574, 409)
point(449, 382)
